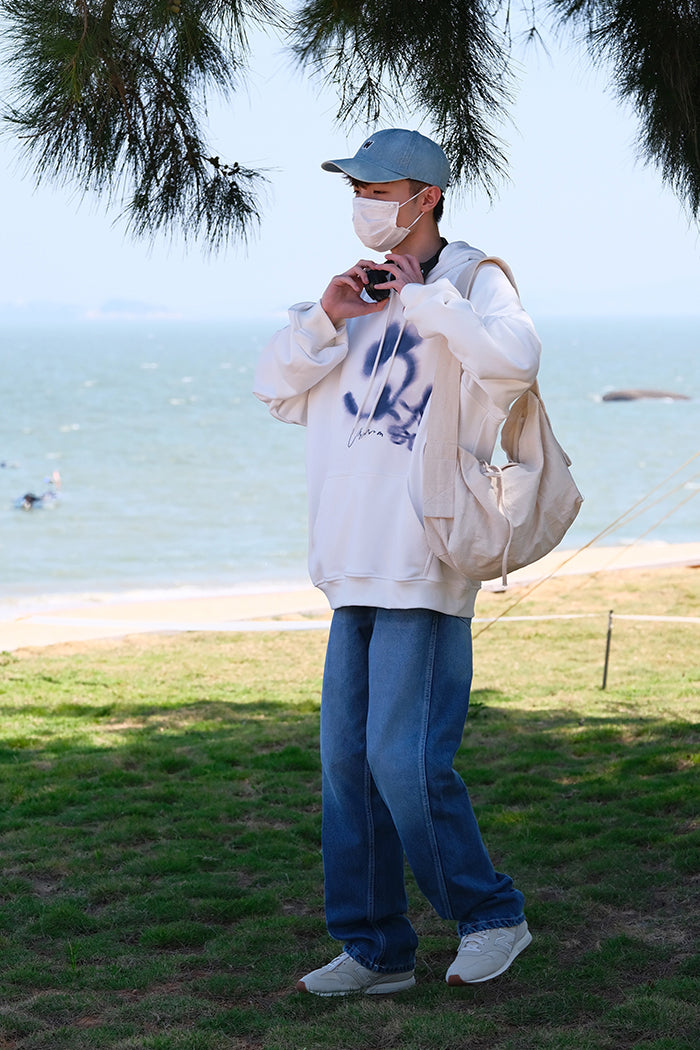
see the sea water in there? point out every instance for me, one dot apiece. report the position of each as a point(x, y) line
point(173, 476)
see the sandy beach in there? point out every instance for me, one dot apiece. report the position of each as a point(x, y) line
point(56, 621)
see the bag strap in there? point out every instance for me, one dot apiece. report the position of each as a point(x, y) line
point(451, 377)
point(443, 415)
point(497, 261)
point(470, 274)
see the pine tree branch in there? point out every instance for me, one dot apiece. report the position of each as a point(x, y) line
point(653, 49)
point(449, 61)
point(110, 96)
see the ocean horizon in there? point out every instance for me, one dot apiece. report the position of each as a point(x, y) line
point(173, 477)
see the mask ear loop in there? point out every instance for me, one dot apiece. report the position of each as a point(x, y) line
point(410, 227)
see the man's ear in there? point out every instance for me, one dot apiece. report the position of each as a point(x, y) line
point(431, 197)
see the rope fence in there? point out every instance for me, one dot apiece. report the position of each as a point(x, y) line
point(640, 507)
point(593, 615)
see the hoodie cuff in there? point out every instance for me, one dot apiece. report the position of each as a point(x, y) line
point(413, 296)
point(313, 319)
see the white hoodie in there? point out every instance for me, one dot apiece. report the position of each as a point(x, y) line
point(362, 390)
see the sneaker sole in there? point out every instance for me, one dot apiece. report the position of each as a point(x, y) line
point(386, 989)
point(373, 989)
point(455, 981)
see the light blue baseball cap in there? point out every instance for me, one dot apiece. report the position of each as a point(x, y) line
point(396, 154)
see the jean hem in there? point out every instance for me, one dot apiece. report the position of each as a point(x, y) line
point(374, 967)
point(465, 928)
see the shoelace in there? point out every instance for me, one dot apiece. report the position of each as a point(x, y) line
point(472, 942)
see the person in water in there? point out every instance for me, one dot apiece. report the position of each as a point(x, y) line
point(30, 501)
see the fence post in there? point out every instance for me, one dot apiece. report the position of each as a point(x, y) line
point(607, 649)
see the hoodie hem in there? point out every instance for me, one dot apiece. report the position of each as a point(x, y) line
point(457, 600)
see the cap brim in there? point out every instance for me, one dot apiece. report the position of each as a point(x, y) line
point(363, 170)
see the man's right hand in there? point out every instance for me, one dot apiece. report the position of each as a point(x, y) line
point(342, 298)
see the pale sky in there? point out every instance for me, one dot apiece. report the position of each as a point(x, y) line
point(587, 229)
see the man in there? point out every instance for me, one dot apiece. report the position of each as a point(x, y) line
point(358, 374)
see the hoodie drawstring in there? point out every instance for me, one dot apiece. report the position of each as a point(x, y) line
point(355, 432)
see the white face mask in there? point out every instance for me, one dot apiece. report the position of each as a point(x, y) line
point(375, 222)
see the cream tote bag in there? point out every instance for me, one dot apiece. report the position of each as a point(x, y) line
point(486, 520)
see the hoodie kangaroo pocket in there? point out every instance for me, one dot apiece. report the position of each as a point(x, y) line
point(366, 526)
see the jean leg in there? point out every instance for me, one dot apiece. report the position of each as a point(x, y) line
point(420, 677)
point(363, 859)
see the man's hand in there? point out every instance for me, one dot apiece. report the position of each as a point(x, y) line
point(342, 297)
point(406, 270)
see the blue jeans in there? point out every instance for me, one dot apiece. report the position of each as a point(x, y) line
point(395, 698)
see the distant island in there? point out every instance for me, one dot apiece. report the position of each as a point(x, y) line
point(640, 395)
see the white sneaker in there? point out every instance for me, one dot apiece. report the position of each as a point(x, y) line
point(487, 954)
point(344, 976)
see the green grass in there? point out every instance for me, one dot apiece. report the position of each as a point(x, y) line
point(161, 882)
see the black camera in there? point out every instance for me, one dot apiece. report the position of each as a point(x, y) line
point(375, 277)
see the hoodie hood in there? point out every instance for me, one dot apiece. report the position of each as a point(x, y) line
point(454, 256)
